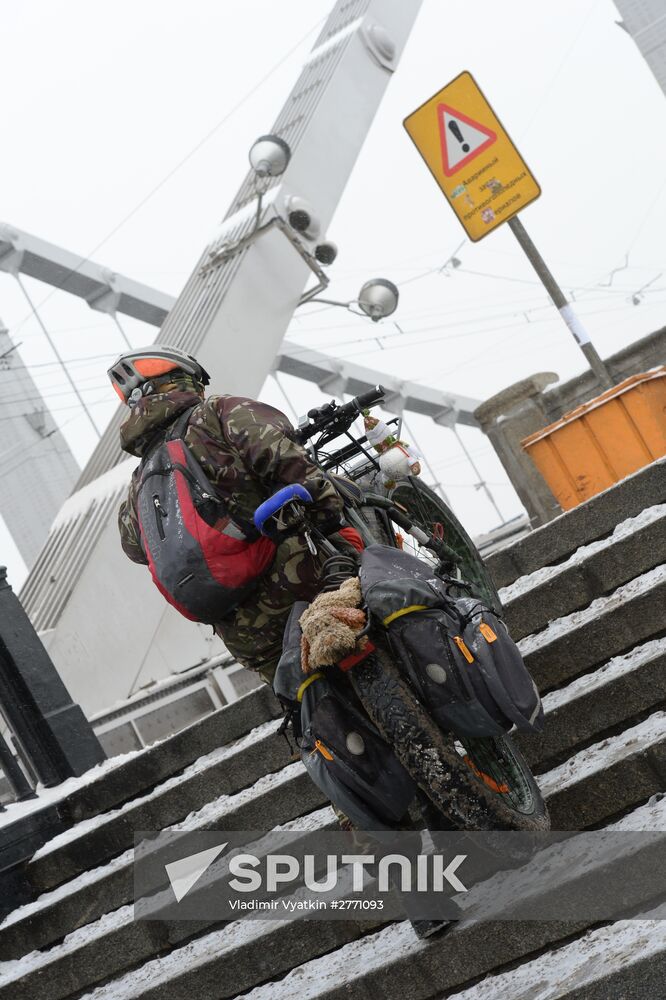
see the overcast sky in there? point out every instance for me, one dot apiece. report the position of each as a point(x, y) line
point(102, 102)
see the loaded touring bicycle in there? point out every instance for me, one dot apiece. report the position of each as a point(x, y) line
point(425, 710)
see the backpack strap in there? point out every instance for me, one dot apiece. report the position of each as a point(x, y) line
point(178, 428)
point(173, 431)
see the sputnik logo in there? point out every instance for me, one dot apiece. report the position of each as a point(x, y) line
point(186, 872)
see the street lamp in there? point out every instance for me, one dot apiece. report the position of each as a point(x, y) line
point(378, 298)
point(269, 156)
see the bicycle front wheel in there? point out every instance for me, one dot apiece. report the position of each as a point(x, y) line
point(465, 786)
point(429, 512)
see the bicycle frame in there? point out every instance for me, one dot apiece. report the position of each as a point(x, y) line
point(410, 506)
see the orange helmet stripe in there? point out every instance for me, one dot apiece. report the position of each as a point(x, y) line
point(150, 367)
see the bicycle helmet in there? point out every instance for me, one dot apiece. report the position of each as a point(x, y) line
point(141, 371)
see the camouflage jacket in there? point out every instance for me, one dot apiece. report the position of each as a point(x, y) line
point(243, 447)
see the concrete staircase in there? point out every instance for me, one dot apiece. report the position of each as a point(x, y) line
point(586, 597)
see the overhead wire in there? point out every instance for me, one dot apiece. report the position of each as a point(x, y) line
point(402, 341)
point(40, 397)
point(647, 215)
point(54, 348)
point(167, 177)
point(34, 308)
point(478, 330)
point(57, 409)
point(546, 304)
point(553, 80)
point(443, 316)
point(35, 444)
point(72, 361)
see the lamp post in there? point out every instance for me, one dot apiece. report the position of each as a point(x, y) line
point(269, 157)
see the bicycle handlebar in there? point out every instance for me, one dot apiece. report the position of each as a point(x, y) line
point(338, 417)
point(270, 507)
point(369, 398)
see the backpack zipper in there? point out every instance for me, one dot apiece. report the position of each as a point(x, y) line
point(160, 514)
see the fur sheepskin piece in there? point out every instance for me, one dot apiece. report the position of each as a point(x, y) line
point(330, 627)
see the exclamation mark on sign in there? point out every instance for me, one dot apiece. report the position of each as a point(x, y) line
point(455, 128)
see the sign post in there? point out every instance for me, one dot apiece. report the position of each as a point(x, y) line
point(486, 181)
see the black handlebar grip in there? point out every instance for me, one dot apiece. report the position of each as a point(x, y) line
point(370, 397)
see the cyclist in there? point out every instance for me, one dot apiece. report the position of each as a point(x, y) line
point(246, 451)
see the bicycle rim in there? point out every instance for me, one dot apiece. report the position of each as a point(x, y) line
point(496, 763)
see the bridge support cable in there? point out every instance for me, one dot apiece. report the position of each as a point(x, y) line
point(55, 350)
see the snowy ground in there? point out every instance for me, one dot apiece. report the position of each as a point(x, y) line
point(344, 965)
point(611, 671)
point(48, 796)
point(215, 757)
point(554, 975)
point(603, 605)
point(601, 756)
point(591, 958)
point(624, 530)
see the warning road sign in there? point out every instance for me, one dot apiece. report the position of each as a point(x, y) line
point(475, 163)
point(462, 139)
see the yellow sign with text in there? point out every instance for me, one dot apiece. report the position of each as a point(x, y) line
point(468, 152)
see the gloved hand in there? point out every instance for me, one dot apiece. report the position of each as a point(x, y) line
point(289, 520)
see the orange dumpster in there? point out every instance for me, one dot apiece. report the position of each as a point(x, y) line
point(603, 440)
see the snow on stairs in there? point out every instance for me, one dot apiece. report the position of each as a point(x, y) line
point(589, 611)
point(109, 944)
point(118, 780)
point(334, 960)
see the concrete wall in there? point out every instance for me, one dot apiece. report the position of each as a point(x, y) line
point(527, 406)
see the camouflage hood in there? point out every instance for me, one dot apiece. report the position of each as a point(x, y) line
point(152, 414)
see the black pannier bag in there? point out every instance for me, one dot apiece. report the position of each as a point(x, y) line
point(342, 751)
point(456, 652)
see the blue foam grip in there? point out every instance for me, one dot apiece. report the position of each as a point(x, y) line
point(269, 507)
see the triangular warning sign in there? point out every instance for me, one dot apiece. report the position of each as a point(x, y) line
point(184, 873)
point(462, 138)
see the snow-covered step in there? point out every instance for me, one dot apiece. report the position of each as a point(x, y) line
point(610, 625)
point(120, 779)
point(603, 780)
point(620, 691)
point(42, 922)
point(228, 960)
point(111, 944)
point(592, 520)
point(223, 771)
point(85, 899)
point(249, 958)
point(608, 777)
point(626, 959)
point(637, 545)
point(274, 800)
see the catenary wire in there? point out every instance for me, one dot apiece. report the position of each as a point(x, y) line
point(167, 177)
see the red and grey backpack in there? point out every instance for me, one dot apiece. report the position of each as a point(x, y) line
point(200, 560)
